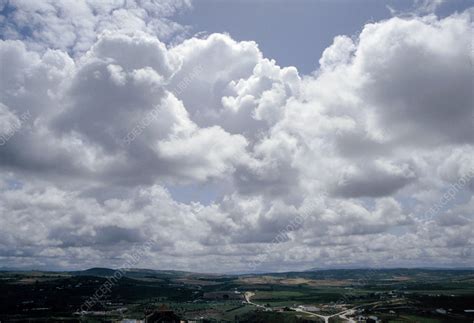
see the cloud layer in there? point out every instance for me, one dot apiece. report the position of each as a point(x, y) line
point(119, 122)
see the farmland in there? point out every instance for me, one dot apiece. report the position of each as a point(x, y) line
point(391, 295)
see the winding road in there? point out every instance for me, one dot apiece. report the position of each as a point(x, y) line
point(342, 314)
point(247, 296)
point(327, 317)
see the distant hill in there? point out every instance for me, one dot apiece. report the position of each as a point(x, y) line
point(136, 273)
point(313, 273)
point(99, 272)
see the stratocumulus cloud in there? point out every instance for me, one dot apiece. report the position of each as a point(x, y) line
point(363, 147)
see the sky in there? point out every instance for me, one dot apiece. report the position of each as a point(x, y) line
point(236, 136)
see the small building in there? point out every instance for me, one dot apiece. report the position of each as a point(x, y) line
point(309, 308)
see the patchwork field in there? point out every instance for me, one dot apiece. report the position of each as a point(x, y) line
point(395, 295)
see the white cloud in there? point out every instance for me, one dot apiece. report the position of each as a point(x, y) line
point(362, 147)
point(74, 25)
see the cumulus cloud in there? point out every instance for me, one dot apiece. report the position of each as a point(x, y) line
point(74, 25)
point(356, 152)
point(92, 109)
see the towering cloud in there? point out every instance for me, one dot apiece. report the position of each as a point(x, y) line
point(103, 125)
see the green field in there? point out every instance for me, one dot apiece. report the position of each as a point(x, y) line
point(395, 295)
